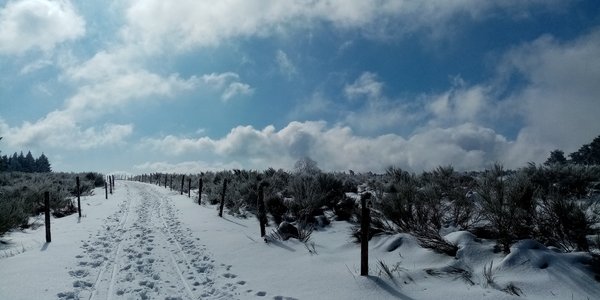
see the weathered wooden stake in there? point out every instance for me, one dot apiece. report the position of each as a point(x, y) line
point(200, 191)
point(47, 216)
point(166, 181)
point(110, 184)
point(182, 179)
point(223, 198)
point(364, 235)
point(78, 197)
point(171, 183)
point(105, 190)
point(262, 214)
point(189, 187)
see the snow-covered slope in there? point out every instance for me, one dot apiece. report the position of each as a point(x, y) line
point(147, 242)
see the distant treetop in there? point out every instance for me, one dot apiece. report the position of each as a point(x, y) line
point(25, 163)
point(588, 154)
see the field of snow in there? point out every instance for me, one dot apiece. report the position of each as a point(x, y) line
point(147, 242)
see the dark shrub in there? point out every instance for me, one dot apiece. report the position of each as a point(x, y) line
point(276, 207)
point(344, 209)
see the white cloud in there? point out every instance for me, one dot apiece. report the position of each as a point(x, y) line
point(220, 80)
point(286, 66)
point(367, 85)
point(228, 83)
point(377, 112)
point(460, 104)
point(41, 24)
point(103, 88)
point(559, 104)
point(466, 146)
point(34, 66)
point(187, 167)
point(382, 115)
point(57, 130)
point(103, 97)
point(317, 103)
point(156, 25)
point(235, 89)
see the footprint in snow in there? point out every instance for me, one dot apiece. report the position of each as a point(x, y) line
point(79, 273)
point(81, 283)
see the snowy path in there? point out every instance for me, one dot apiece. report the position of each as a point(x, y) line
point(147, 242)
point(143, 252)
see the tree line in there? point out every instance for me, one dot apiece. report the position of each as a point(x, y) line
point(588, 154)
point(25, 163)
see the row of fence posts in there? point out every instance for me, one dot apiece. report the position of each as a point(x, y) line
point(111, 180)
point(109, 186)
point(262, 215)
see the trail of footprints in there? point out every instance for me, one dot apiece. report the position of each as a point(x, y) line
point(143, 252)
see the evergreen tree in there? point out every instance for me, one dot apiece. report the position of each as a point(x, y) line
point(14, 165)
point(29, 163)
point(556, 157)
point(3, 163)
point(588, 154)
point(42, 164)
point(21, 160)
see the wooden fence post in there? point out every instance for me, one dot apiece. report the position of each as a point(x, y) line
point(182, 179)
point(110, 184)
point(113, 181)
point(47, 216)
point(171, 183)
point(364, 235)
point(189, 187)
point(262, 214)
point(223, 197)
point(166, 181)
point(105, 190)
point(200, 191)
point(78, 197)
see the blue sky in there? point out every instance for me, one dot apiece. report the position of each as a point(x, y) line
point(187, 86)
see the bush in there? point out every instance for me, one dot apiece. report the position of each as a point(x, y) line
point(96, 179)
point(12, 214)
point(399, 202)
point(565, 224)
point(22, 195)
point(508, 204)
point(306, 199)
point(276, 208)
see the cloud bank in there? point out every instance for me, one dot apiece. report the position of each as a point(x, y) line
point(38, 24)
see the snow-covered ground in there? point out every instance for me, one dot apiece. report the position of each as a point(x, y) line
point(147, 242)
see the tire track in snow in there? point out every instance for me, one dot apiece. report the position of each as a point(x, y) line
point(149, 255)
point(114, 261)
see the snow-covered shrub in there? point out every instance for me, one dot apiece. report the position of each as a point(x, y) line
point(508, 204)
point(96, 179)
point(22, 195)
point(568, 179)
point(399, 199)
point(565, 223)
point(307, 200)
point(275, 206)
point(12, 213)
point(344, 208)
point(565, 213)
point(415, 205)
